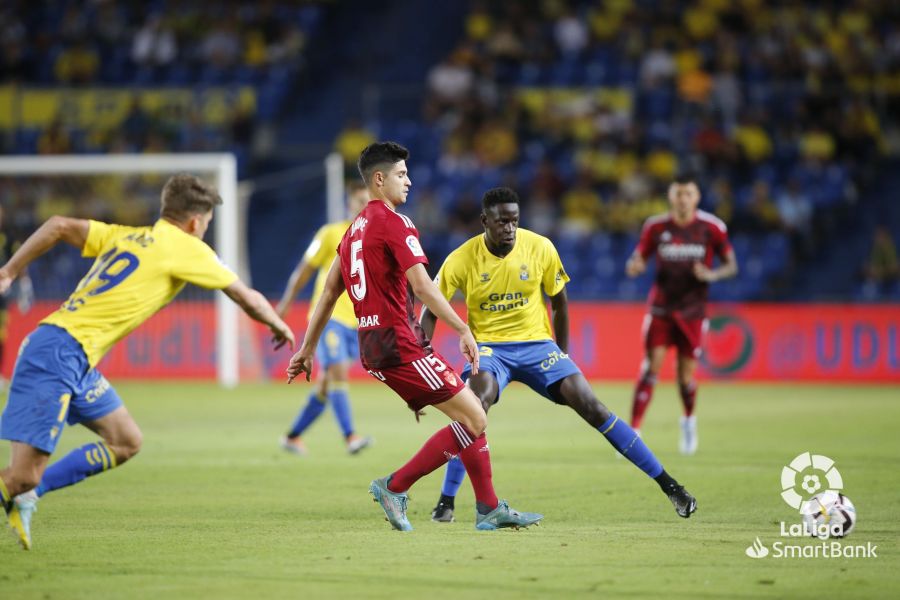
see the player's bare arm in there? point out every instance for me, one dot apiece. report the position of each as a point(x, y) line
point(258, 308)
point(297, 280)
point(54, 230)
point(559, 308)
point(426, 291)
point(302, 361)
point(428, 322)
point(636, 264)
point(728, 269)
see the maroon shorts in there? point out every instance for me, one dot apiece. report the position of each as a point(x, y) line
point(672, 330)
point(423, 382)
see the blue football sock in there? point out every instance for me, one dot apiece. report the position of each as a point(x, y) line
point(78, 464)
point(453, 478)
point(310, 413)
point(340, 404)
point(625, 440)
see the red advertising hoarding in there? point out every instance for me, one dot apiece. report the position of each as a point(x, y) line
point(761, 342)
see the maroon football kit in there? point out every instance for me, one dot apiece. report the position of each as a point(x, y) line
point(375, 253)
point(677, 301)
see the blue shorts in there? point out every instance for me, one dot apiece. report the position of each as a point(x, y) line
point(53, 384)
point(536, 364)
point(338, 344)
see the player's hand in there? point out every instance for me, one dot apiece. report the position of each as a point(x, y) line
point(703, 273)
point(301, 362)
point(282, 335)
point(6, 279)
point(635, 265)
point(469, 349)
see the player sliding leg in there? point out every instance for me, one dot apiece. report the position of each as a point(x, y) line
point(26, 479)
point(464, 437)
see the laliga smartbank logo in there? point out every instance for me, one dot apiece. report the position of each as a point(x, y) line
point(812, 485)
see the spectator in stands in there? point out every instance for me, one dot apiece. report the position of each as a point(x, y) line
point(77, 64)
point(795, 211)
point(136, 125)
point(580, 208)
point(221, 47)
point(55, 139)
point(571, 34)
point(154, 43)
point(451, 81)
point(882, 266)
point(351, 141)
point(495, 144)
point(761, 214)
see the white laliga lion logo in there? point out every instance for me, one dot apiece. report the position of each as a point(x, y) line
point(414, 247)
point(757, 550)
point(811, 482)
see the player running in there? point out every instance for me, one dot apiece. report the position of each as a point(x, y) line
point(379, 260)
point(502, 274)
point(338, 346)
point(138, 270)
point(684, 241)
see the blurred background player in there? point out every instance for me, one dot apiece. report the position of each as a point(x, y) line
point(684, 241)
point(138, 270)
point(8, 244)
point(379, 259)
point(338, 347)
point(503, 275)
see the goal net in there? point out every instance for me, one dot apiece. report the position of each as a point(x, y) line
point(201, 334)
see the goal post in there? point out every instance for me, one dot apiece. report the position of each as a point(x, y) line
point(226, 224)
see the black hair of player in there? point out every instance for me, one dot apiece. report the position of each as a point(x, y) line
point(686, 178)
point(375, 157)
point(497, 196)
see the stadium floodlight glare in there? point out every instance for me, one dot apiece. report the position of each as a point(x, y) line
point(226, 224)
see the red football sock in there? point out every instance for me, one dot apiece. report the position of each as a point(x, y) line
point(688, 397)
point(477, 459)
point(643, 394)
point(441, 447)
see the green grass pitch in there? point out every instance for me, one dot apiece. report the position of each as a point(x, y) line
point(212, 508)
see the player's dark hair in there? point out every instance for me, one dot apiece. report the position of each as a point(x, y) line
point(499, 195)
point(380, 156)
point(686, 178)
point(185, 196)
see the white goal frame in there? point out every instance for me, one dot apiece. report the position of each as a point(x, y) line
point(226, 223)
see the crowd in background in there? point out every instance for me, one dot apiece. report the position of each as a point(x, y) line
point(589, 109)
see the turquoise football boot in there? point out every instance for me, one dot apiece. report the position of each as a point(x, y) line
point(394, 504)
point(503, 516)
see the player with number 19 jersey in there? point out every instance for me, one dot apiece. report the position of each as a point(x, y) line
point(138, 271)
point(375, 253)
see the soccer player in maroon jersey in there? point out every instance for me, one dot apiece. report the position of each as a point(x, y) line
point(684, 241)
point(381, 263)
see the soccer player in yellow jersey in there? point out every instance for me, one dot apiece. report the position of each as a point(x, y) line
point(338, 347)
point(137, 271)
point(504, 275)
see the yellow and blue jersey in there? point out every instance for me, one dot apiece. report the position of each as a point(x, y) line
point(504, 295)
point(138, 270)
point(320, 254)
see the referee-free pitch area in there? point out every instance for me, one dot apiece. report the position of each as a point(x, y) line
point(212, 508)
